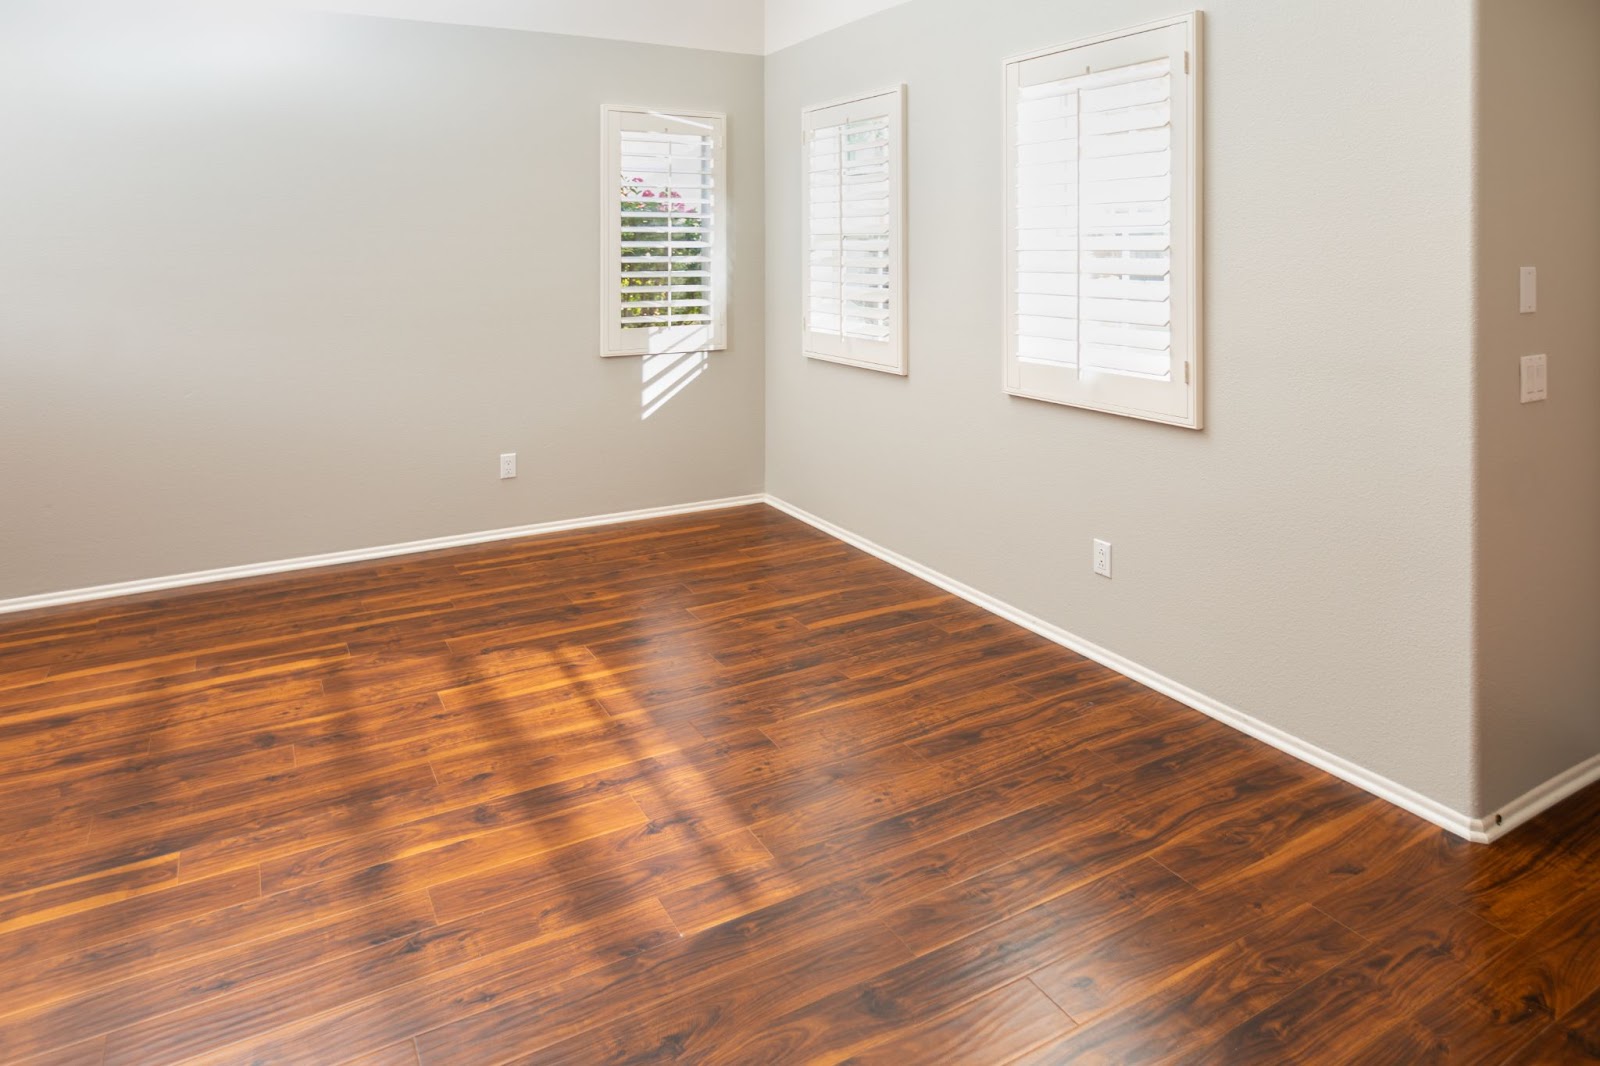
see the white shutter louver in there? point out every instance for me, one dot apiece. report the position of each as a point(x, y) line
point(853, 290)
point(1102, 255)
point(665, 180)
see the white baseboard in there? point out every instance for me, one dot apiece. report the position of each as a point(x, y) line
point(357, 555)
point(1474, 829)
point(1540, 798)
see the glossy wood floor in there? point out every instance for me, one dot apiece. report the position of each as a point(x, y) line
point(714, 789)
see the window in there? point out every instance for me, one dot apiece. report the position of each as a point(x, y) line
point(1103, 224)
point(854, 226)
point(665, 193)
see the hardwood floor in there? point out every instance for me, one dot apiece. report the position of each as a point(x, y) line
point(714, 789)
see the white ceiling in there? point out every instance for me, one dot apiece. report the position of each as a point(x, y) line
point(757, 27)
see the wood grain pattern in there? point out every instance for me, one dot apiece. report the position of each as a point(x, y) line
point(714, 789)
point(999, 1025)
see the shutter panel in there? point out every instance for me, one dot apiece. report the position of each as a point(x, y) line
point(824, 299)
point(1125, 219)
point(666, 233)
point(1103, 225)
point(851, 286)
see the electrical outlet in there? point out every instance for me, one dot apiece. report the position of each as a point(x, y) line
point(508, 465)
point(1535, 379)
point(1102, 558)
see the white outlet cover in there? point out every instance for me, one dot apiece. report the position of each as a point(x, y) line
point(1102, 558)
point(508, 465)
point(1535, 378)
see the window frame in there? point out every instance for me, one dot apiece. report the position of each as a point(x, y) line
point(888, 356)
point(1177, 401)
point(615, 119)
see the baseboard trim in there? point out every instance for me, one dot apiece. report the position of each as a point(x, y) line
point(1540, 798)
point(358, 555)
point(1474, 829)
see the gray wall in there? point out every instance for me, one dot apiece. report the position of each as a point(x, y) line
point(1538, 506)
point(1305, 559)
point(289, 287)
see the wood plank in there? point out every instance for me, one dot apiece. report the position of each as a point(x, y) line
point(1573, 1038)
point(1437, 947)
point(370, 1020)
point(97, 889)
point(835, 1026)
point(53, 959)
point(699, 1025)
point(1238, 980)
point(524, 1021)
point(992, 1028)
point(233, 986)
point(402, 1054)
point(1101, 980)
point(1037, 876)
point(592, 871)
point(543, 821)
point(1508, 1002)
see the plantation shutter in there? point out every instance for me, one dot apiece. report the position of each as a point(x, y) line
point(853, 288)
point(666, 232)
point(1102, 253)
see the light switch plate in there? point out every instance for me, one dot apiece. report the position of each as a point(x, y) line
point(1530, 290)
point(1535, 378)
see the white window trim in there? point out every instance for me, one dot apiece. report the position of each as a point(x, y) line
point(616, 341)
point(888, 356)
point(1185, 405)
